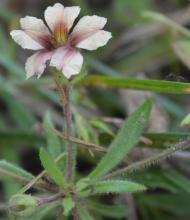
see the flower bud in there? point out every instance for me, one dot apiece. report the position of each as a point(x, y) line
point(23, 205)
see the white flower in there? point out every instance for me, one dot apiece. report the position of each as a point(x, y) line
point(57, 43)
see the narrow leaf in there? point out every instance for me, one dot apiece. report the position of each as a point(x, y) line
point(51, 168)
point(186, 120)
point(83, 212)
point(112, 211)
point(126, 139)
point(68, 205)
point(113, 186)
point(15, 169)
point(161, 86)
point(53, 142)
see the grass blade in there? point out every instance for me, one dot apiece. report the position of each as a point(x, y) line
point(168, 87)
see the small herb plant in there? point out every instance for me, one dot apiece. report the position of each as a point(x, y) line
point(60, 189)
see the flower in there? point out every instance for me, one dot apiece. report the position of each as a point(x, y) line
point(56, 43)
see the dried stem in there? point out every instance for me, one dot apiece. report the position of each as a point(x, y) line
point(54, 198)
point(24, 180)
point(77, 141)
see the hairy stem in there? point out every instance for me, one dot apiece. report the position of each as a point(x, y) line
point(54, 198)
point(75, 214)
point(83, 143)
point(64, 90)
point(68, 119)
point(140, 165)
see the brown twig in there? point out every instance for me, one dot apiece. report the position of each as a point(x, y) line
point(75, 214)
point(24, 180)
point(76, 140)
point(49, 199)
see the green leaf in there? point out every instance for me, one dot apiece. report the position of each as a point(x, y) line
point(12, 168)
point(19, 137)
point(112, 211)
point(53, 142)
point(186, 120)
point(178, 180)
point(81, 127)
point(68, 205)
point(156, 179)
point(102, 126)
point(174, 203)
point(163, 140)
point(160, 86)
point(126, 139)
point(51, 168)
point(113, 186)
point(83, 212)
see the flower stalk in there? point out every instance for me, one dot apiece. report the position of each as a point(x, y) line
point(64, 89)
point(68, 120)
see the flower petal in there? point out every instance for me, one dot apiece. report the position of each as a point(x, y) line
point(90, 23)
point(58, 14)
point(25, 41)
point(37, 30)
point(68, 61)
point(87, 27)
point(99, 39)
point(33, 24)
point(36, 64)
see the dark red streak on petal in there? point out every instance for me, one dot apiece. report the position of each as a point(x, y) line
point(47, 42)
point(78, 37)
point(43, 39)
